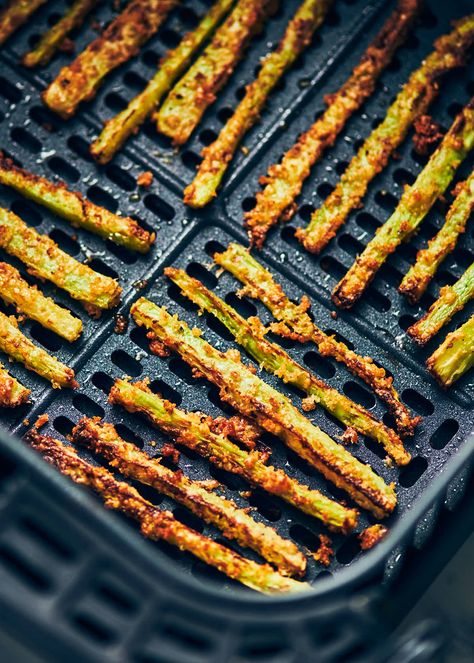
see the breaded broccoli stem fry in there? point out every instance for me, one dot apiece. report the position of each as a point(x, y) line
point(295, 323)
point(254, 398)
point(428, 260)
point(72, 206)
point(218, 155)
point(117, 130)
point(19, 348)
point(452, 298)
point(158, 524)
point(284, 180)
point(197, 432)
point(31, 302)
point(14, 14)
point(120, 41)
point(412, 208)
point(45, 260)
point(197, 89)
point(270, 356)
point(12, 392)
point(454, 356)
point(412, 101)
point(55, 37)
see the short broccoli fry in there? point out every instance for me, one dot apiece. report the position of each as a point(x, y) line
point(45, 260)
point(158, 524)
point(284, 180)
point(295, 323)
point(124, 124)
point(12, 392)
point(31, 302)
point(18, 347)
point(218, 155)
point(197, 432)
point(452, 299)
point(428, 260)
point(271, 410)
point(454, 356)
point(14, 14)
point(412, 101)
point(72, 206)
point(120, 41)
point(55, 37)
point(412, 208)
point(250, 335)
point(197, 89)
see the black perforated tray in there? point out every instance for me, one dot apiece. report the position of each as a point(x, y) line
point(105, 594)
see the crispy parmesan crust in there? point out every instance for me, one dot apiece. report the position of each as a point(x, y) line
point(412, 208)
point(295, 323)
point(284, 180)
point(198, 432)
point(197, 89)
point(218, 155)
point(158, 524)
point(411, 102)
point(454, 356)
point(14, 14)
point(120, 41)
point(427, 134)
point(12, 392)
point(370, 536)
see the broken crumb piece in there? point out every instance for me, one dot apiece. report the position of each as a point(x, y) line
point(169, 451)
point(145, 179)
point(427, 134)
point(370, 536)
point(121, 323)
point(349, 436)
point(41, 421)
point(324, 553)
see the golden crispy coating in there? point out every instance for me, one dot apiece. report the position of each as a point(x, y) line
point(12, 392)
point(370, 536)
point(14, 14)
point(454, 356)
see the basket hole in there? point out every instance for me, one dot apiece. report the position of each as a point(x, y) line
point(120, 177)
point(444, 433)
point(242, 305)
point(129, 436)
point(265, 505)
point(212, 247)
point(348, 551)
point(182, 370)
point(115, 102)
point(402, 176)
point(249, 203)
point(208, 574)
point(9, 91)
point(463, 258)
point(305, 212)
point(232, 481)
point(325, 189)
point(98, 266)
point(454, 109)
point(219, 328)
point(120, 252)
point(91, 627)
point(63, 425)
point(117, 597)
point(332, 267)
point(99, 196)
point(207, 136)
point(26, 212)
point(87, 406)
point(159, 207)
point(319, 364)
point(126, 363)
point(44, 118)
point(63, 169)
point(139, 336)
point(102, 381)
point(150, 58)
point(224, 114)
point(375, 447)
point(386, 200)
point(359, 394)
point(350, 245)
point(300, 464)
point(190, 159)
point(188, 17)
point(48, 537)
point(164, 390)
point(417, 402)
point(134, 81)
point(288, 235)
point(24, 572)
point(378, 301)
point(413, 471)
point(23, 138)
point(189, 519)
point(341, 167)
point(65, 241)
point(46, 337)
point(80, 146)
point(174, 293)
point(339, 337)
point(395, 65)
point(391, 275)
point(214, 397)
point(184, 637)
point(198, 271)
point(304, 536)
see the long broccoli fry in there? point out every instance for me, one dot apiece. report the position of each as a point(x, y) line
point(197, 89)
point(197, 432)
point(412, 101)
point(31, 302)
point(451, 300)
point(18, 347)
point(295, 323)
point(158, 524)
point(45, 260)
point(117, 130)
point(12, 392)
point(412, 208)
point(14, 14)
point(454, 356)
point(284, 180)
point(72, 206)
point(218, 155)
point(428, 260)
point(54, 38)
point(273, 411)
point(250, 335)
point(120, 41)
point(216, 510)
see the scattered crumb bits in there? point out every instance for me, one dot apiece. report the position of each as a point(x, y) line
point(238, 428)
point(427, 134)
point(349, 436)
point(245, 150)
point(41, 421)
point(121, 323)
point(67, 46)
point(334, 315)
point(169, 451)
point(370, 536)
point(26, 422)
point(324, 553)
point(145, 179)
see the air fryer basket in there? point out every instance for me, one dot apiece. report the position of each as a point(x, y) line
point(81, 577)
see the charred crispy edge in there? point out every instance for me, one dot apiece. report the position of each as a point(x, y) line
point(72, 206)
point(451, 300)
point(15, 344)
point(12, 392)
point(276, 201)
point(14, 14)
point(218, 155)
point(196, 90)
point(413, 100)
point(311, 443)
point(119, 42)
point(40, 253)
point(31, 302)
point(124, 124)
point(53, 39)
point(156, 523)
point(454, 356)
point(428, 260)
point(259, 284)
point(235, 523)
point(196, 431)
point(250, 335)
